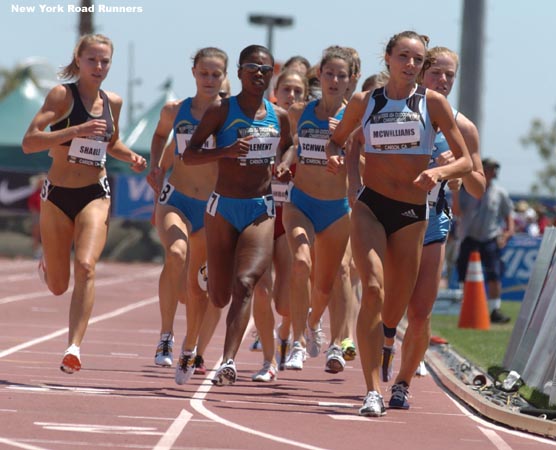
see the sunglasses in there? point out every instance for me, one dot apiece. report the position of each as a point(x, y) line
point(254, 68)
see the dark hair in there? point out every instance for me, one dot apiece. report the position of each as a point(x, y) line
point(410, 35)
point(337, 52)
point(209, 52)
point(252, 49)
point(297, 59)
point(406, 34)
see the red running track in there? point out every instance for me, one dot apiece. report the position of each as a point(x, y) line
point(121, 400)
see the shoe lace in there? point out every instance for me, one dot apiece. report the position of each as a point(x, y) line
point(184, 362)
point(400, 391)
point(165, 344)
point(373, 400)
point(297, 354)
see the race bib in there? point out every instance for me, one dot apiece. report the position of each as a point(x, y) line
point(184, 138)
point(88, 152)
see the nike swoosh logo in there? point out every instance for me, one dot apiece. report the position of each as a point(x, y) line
point(9, 196)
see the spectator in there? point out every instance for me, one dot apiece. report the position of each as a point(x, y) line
point(486, 225)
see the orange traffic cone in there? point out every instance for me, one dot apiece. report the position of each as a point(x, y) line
point(474, 310)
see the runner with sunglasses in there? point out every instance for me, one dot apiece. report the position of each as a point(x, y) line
point(239, 219)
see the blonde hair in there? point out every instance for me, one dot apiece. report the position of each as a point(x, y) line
point(72, 69)
point(435, 52)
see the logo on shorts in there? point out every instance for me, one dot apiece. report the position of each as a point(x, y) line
point(410, 213)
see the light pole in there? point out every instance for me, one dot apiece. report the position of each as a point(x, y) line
point(270, 22)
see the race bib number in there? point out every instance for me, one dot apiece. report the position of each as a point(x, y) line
point(262, 147)
point(281, 191)
point(165, 194)
point(432, 196)
point(184, 138)
point(88, 152)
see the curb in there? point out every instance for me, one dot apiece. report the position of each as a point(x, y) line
point(465, 392)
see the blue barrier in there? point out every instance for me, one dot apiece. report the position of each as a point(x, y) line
point(132, 197)
point(519, 258)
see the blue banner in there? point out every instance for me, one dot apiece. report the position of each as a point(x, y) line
point(132, 197)
point(519, 258)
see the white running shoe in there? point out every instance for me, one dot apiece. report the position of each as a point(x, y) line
point(202, 277)
point(314, 339)
point(296, 357)
point(226, 374)
point(373, 405)
point(164, 356)
point(42, 270)
point(185, 367)
point(266, 374)
point(422, 370)
point(71, 361)
point(334, 359)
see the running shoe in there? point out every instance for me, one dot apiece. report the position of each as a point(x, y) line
point(164, 356)
point(200, 368)
point(497, 316)
point(202, 277)
point(282, 353)
point(226, 374)
point(373, 405)
point(266, 374)
point(71, 362)
point(400, 396)
point(42, 270)
point(422, 370)
point(387, 366)
point(314, 339)
point(296, 357)
point(334, 360)
point(256, 345)
point(348, 349)
point(185, 367)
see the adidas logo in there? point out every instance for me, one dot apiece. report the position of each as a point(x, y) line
point(410, 213)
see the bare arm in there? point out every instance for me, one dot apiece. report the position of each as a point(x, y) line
point(351, 120)
point(442, 116)
point(155, 177)
point(283, 158)
point(475, 182)
point(353, 162)
point(57, 103)
point(212, 121)
point(116, 148)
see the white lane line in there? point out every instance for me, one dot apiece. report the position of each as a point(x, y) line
point(98, 283)
point(79, 390)
point(19, 277)
point(92, 428)
point(496, 440)
point(337, 404)
point(492, 426)
point(55, 334)
point(167, 441)
point(197, 404)
point(20, 445)
point(362, 419)
point(200, 408)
